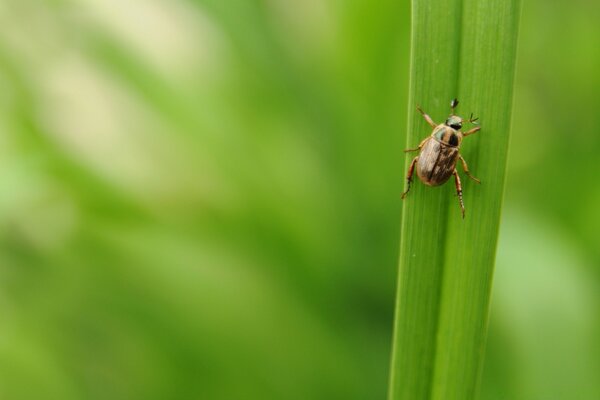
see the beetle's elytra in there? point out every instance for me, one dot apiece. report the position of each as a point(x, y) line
point(439, 153)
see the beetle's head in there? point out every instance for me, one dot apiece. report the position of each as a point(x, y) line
point(454, 122)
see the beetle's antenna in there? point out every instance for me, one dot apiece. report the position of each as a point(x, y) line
point(471, 120)
point(453, 104)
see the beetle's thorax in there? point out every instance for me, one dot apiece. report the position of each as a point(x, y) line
point(447, 135)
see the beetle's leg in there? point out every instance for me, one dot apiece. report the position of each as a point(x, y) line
point(472, 131)
point(466, 168)
point(420, 145)
point(409, 175)
point(427, 117)
point(459, 192)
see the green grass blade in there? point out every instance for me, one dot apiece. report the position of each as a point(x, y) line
point(463, 49)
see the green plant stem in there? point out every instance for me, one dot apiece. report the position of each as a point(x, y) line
point(464, 49)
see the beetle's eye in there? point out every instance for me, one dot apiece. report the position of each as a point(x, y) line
point(456, 126)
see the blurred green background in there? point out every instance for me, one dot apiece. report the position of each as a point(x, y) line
point(199, 199)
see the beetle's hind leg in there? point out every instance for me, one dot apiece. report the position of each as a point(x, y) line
point(427, 117)
point(466, 168)
point(409, 175)
point(459, 192)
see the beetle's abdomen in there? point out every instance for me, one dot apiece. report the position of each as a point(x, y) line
point(436, 163)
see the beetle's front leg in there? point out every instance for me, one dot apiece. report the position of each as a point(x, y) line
point(466, 168)
point(459, 192)
point(472, 131)
point(409, 175)
point(420, 145)
point(427, 117)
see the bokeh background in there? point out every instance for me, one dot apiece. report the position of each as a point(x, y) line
point(199, 199)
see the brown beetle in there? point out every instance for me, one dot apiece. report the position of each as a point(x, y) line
point(439, 153)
